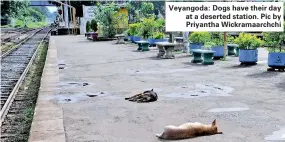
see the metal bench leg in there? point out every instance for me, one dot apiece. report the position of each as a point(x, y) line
point(208, 59)
point(185, 47)
point(169, 54)
point(140, 47)
point(161, 52)
point(197, 58)
point(145, 47)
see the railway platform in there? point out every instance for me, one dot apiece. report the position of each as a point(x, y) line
point(84, 100)
point(47, 124)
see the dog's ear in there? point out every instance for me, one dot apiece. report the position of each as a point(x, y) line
point(214, 123)
point(151, 89)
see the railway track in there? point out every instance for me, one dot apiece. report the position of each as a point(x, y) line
point(14, 67)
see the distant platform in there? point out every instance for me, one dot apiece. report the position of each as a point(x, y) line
point(66, 31)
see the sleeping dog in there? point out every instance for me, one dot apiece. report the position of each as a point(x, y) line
point(188, 130)
point(146, 96)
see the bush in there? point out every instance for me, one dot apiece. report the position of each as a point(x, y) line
point(104, 15)
point(209, 44)
point(248, 41)
point(200, 37)
point(87, 26)
point(230, 39)
point(134, 29)
point(94, 25)
point(158, 35)
point(217, 38)
point(274, 40)
point(159, 25)
point(147, 27)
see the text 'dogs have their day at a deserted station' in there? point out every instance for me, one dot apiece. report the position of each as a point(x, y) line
point(224, 16)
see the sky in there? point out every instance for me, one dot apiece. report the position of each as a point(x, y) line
point(52, 8)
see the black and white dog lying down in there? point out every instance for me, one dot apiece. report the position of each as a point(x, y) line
point(145, 97)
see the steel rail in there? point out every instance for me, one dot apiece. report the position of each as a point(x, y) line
point(12, 95)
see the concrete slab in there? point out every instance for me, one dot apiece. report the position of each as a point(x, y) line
point(47, 123)
point(122, 71)
point(48, 136)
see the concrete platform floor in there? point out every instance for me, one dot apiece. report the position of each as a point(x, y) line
point(248, 102)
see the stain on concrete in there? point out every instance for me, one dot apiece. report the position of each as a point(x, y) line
point(166, 71)
point(223, 90)
point(276, 135)
point(61, 64)
point(227, 109)
point(72, 84)
point(72, 98)
point(200, 90)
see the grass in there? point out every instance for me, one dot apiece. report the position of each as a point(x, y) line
point(5, 26)
point(36, 25)
point(7, 47)
point(32, 81)
point(30, 24)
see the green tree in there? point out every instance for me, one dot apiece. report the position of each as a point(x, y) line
point(87, 26)
point(120, 22)
point(160, 6)
point(94, 25)
point(147, 27)
point(36, 14)
point(104, 16)
point(133, 9)
point(147, 9)
point(14, 8)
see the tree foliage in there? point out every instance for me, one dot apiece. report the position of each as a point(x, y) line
point(104, 16)
point(35, 13)
point(121, 22)
point(14, 8)
point(87, 26)
point(94, 25)
point(141, 9)
point(147, 27)
point(147, 9)
point(274, 40)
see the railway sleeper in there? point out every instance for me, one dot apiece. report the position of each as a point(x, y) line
point(6, 76)
point(20, 70)
point(18, 61)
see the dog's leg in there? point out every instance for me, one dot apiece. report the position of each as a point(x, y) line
point(148, 99)
point(159, 135)
point(140, 100)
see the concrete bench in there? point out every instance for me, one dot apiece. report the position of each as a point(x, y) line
point(203, 56)
point(180, 45)
point(233, 49)
point(120, 38)
point(143, 45)
point(166, 47)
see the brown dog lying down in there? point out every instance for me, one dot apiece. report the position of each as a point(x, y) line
point(188, 130)
point(146, 96)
